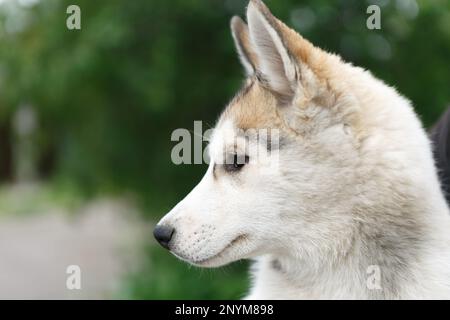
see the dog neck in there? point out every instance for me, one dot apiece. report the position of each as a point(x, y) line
point(389, 259)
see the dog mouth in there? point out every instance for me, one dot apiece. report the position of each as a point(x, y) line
point(233, 243)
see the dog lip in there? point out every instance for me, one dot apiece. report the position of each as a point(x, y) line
point(228, 246)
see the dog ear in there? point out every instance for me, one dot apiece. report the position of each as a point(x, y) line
point(277, 66)
point(241, 38)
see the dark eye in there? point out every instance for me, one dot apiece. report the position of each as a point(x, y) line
point(236, 163)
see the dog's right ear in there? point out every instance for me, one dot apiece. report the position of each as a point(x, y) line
point(241, 38)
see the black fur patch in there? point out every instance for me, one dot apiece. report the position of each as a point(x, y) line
point(440, 137)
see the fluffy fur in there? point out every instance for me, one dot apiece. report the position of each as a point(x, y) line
point(355, 185)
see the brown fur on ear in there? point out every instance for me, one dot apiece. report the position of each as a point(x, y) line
point(248, 58)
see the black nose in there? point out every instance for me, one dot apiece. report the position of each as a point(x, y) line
point(163, 234)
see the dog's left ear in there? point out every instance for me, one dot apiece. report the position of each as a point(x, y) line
point(241, 38)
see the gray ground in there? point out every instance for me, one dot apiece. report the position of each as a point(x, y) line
point(105, 239)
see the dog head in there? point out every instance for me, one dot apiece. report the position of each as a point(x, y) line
point(282, 155)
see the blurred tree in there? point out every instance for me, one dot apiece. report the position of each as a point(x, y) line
point(110, 94)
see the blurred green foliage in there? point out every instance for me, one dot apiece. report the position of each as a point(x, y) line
point(165, 277)
point(109, 95)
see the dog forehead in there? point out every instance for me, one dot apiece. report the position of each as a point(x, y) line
point(225, 134)
point(253, 107)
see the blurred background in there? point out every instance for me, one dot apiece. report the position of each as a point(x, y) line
point(86, 118)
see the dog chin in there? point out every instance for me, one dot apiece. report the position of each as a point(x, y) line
point(213, 262)
point(225, 256)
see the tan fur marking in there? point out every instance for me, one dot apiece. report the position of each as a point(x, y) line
point(240, 34)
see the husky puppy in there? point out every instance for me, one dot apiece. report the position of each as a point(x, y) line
point(353, 208)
